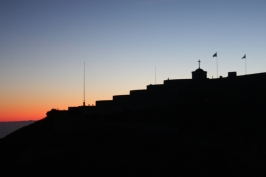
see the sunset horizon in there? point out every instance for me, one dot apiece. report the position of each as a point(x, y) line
point(44, 45)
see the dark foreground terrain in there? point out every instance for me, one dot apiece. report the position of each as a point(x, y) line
point(8, 127)
point(215, 131)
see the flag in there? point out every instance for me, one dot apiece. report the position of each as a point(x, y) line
point(215, 55)
point(244, 56)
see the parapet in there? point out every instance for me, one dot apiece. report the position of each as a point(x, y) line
point(103, 103)
point(231, 74)
point(138, 92)
point(121, 98)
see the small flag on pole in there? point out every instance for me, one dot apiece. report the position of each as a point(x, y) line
point(215, 55)
point(244, 56)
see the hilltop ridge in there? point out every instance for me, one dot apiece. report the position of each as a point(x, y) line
point(213, 127)
point(177, 91)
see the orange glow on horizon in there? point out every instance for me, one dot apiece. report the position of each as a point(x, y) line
point(28, 104)
point(29, 112)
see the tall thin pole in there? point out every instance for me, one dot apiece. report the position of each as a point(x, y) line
point(215, 55)
point(84, 87)
point(155, 74)
point(217, 66)
point(245, 65)
point(244, 57)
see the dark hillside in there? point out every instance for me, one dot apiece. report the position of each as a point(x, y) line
point(213, 128)
point(8, 127)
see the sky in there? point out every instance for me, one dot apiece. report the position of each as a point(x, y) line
point(44, 44)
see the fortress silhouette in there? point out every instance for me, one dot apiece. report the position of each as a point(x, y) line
point(170, 91)
point(213, 127)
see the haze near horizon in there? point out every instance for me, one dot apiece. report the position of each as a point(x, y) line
point(43, 45)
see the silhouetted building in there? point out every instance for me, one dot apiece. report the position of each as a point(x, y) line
point(161, 94)
point(199, 74)
point(231, 74)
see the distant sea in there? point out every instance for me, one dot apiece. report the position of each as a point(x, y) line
point(9, 127)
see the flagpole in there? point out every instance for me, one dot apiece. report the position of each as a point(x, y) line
point(246, 66)
point(217, 65)
point(244, 57)
point(155, 74)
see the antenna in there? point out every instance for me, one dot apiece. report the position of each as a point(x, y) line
point(155, 74)
point(84, 87)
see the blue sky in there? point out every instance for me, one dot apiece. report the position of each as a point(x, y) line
point(44, 43)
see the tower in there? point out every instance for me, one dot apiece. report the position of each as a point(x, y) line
point(199, 73)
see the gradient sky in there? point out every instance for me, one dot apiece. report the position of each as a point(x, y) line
point(44, 43)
